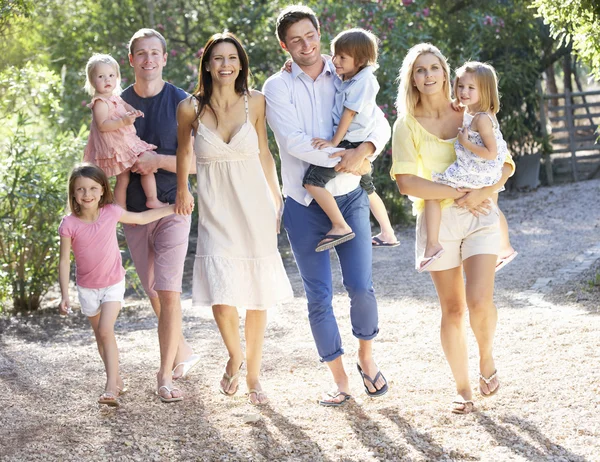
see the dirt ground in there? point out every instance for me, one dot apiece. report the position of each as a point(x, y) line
point(547, 353)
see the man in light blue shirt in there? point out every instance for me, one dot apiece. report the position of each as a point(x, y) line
point(299, 108)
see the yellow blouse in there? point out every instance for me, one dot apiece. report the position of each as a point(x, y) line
point(415, 151)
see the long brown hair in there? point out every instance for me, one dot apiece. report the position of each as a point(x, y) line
point(91, 171)
point(204, 89)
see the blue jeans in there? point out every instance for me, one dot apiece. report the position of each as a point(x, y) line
point(305, 227)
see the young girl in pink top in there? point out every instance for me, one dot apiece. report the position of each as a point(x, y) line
point(113, 144)
point(91, 231)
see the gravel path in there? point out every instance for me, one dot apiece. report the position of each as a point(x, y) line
point(547, 352)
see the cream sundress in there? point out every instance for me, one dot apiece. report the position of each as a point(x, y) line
point(470, 170)
point(237, 260)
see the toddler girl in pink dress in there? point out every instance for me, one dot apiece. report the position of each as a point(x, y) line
point(113, 144)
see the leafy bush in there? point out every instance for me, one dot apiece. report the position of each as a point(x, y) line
point(34, 163)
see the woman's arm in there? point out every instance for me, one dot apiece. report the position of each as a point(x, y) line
point(148, 216)
point(186, 116)
point(474, 199)
point(266, 158)
point(64, 269)
point(413, 185)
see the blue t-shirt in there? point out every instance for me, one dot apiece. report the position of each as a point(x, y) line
point(159, 127)
point(357, 94)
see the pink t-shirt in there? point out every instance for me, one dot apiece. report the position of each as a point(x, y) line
point(96, 249)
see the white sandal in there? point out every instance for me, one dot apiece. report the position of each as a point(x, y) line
point(487, 381)
point(230, 379)
point(186, 366)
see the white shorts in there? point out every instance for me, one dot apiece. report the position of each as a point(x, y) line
point(91, 299)
point(462, 235)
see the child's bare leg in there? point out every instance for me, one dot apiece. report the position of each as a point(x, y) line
point(103, 325)
point(149, 187)
point(121, 188)
point(380, 213)
point(433, 218)
point(505, 246)
point(327, 202)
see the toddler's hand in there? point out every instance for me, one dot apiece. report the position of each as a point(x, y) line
point(287, 66)
point(319, 143)
point(457, 106)
point(129, 117)
point(463, 136)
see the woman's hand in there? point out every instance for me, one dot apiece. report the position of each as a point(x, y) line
point(287, 66)
point(477, 201)
point(279, 213)
point(184, 203)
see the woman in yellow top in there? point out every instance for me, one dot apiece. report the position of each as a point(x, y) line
point(423, 142)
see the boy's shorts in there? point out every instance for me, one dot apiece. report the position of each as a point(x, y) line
point(320, 176)
point(91, 299)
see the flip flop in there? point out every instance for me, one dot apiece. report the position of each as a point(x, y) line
point(334, 395)
point(186, 366)
point(335, 240)
point(378, 242)
point(487, 381)
point(382, 391)
point(502, 262)
point(426, 262)
point(170, 391)
point(468, 405)
point(230, 379)
point(258, 393)
point(109, 398)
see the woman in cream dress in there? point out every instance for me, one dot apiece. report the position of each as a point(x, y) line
point(239, 205)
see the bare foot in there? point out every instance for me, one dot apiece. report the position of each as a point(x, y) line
point(488, 380)
point(255, 394)
point(229, 384)
point(166, 392)
point(155, 203)
point(370, 369)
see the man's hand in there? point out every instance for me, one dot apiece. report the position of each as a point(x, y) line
point(352, 159)
point(147, 163)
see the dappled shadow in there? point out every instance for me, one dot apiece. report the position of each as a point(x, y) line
point(299, 441)
point(368, 432)
point(423, 441)
point(509, 438)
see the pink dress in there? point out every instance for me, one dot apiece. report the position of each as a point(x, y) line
point(117, 150)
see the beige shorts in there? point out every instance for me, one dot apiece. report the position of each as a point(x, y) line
point(92, 299)
point(462, 235)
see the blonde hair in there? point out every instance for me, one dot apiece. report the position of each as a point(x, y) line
point(91, 66)
point(358, 43)
point(408, 95)
point(487, 84)
point(95, 173)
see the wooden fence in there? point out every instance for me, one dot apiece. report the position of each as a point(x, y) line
point(571, 119)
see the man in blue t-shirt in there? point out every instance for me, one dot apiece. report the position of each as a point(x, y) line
point(158, 249)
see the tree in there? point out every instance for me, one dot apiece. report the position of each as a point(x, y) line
point(576, 22)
